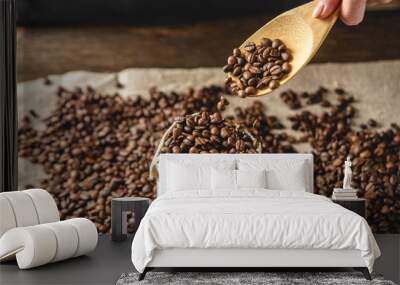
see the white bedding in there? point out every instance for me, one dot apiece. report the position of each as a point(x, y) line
point(251, 218)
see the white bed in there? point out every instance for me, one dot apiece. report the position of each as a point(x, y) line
point(248, 227)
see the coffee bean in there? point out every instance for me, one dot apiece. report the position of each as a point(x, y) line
point(277, 76)
point(243, 82)
point(255, 70)
point(265, 53)
point(232, 60)
point(273, 84)
point(285, 67)
point(266, 42)
point(275, 70)
point(325, 103)
point(241, 94)
point(176, 132)
point(247, 75)
point(215, 131)
point(259, 61)
point(250, 47)
point(33, 113)
point(225, 132)
point(372, 123)
point(240, 84)
point(282, 48)
point(291, 99)
point(227, 68)
point(276, 43)
point(237, 71)
point(339, 91)
point(119, 85)
point(241, 61)
point(285, 56)
point(263, 82)
point(250, 90)
point(237, 52)
point(251, 58)
point(193, 150)
point(274, 53)
point(176, 149)
point(47, 81)
point(252, 81)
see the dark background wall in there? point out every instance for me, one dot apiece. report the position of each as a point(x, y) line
point(40, 12)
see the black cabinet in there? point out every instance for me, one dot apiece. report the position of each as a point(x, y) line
point(119, 209)
point(356, 205)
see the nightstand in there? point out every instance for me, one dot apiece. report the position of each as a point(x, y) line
point(119, 209)
point(355, 205)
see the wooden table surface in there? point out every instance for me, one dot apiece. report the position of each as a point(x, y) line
point(53, 50)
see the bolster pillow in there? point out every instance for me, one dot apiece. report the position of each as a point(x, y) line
point(40, 244)
point(26, 208)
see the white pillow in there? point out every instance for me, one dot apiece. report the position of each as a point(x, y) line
point(223, 179)
point(235, 179)
point(281, 174)
point(251, 178)
point(181, 177)
point(190, 175)
point(169, 175)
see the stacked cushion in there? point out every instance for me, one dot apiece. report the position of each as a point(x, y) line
point(31, 231)
point(44, 204)
point(7, 218)
point(26, 208)
point(37, 245)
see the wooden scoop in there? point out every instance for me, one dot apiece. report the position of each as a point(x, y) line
point(300, 32)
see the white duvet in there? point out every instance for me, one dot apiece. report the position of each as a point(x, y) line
point(253, 218)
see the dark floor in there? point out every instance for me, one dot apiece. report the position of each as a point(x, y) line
point(110, 259)
point(103, 266)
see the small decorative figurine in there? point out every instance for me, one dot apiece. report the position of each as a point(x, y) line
point(347, 174)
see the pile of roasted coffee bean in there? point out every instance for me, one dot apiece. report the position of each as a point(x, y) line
point(95, 147)
point(264, 128)
point(375, 155)
point(257, 67)
point(205, 133)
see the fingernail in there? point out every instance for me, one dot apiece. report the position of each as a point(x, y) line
point(318, 9)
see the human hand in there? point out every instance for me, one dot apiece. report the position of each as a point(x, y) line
point(351, 11)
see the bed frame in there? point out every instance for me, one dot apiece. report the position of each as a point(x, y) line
point(246, 259)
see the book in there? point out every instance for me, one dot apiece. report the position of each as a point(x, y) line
point(344, 198)
point(345, 195)
point(341, 190)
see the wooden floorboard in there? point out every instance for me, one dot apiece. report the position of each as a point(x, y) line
point(54, 50)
